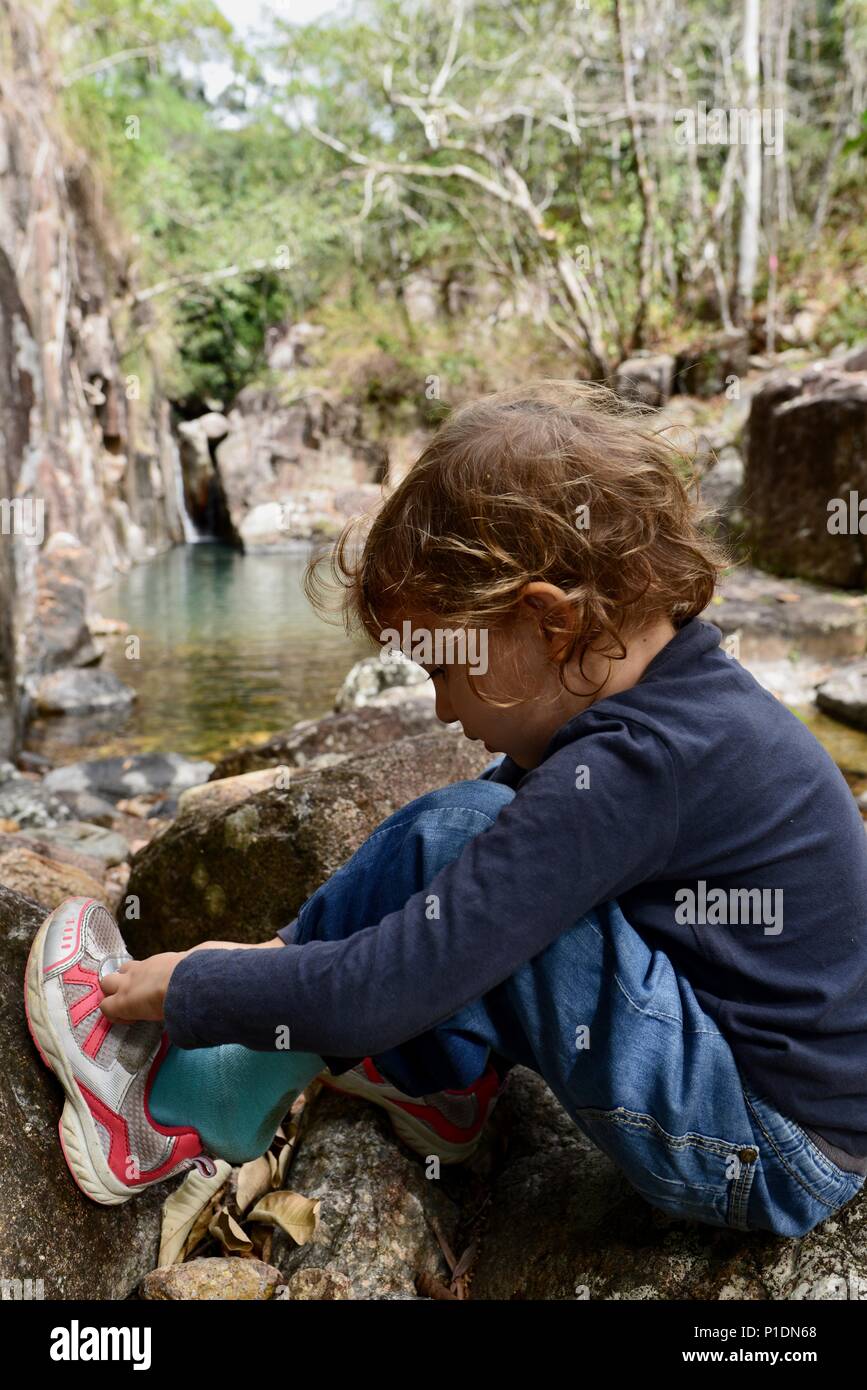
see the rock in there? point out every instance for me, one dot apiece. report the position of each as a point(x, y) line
point(300, 516)
point(787, 619)
point(117, 778)
point(60, 635)
point(422, 297)
point(217, 1278)
point(317, 1284)
point(377, 1210)
point(48, 1229)
point(565, 1224)
point(197, 440)
point(646, 379)
point(707, 366)
point(98, 489)
point(31, 803)
point(371, 677)
point(855, 360)
point(845, 695)
point(289, 348)
point(240, 873)
point(211, 797)
point(87, 806)
point(721, 489)
point(106, 847)
point(69, 691)
point(33, 762)
point(290, 472)
point(803, 327)
point(107, 627)
point(19, 370)
point(807, 447)
point(313, 741)
point(46, 881)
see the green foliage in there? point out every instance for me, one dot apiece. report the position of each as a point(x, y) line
point(240, 213)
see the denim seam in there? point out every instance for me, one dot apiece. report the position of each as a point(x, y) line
point(667, 1017)
point(654, 1013)
point(739, 1198)
point(638, 1120)
point(801, 1181)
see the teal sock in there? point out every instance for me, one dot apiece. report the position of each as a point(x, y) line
point(233, 1096)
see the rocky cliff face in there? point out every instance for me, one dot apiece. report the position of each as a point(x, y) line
point(89, 473)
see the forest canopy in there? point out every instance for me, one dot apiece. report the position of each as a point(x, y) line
point(578, 158)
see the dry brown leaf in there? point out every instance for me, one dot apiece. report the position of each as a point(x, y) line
point(230, 1235)
point(298, 1216)
point(254, 1179)
point(788, 598)
point(183, 1207)
point(283, 1162)
point(201, 1225)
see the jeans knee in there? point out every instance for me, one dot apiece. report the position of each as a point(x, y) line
point(473, 794)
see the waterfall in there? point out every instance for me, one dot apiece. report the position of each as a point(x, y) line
point(191, 535)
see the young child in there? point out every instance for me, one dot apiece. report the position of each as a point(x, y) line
point(656, 899)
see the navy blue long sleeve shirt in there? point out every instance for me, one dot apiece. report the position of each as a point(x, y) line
point(697, 779)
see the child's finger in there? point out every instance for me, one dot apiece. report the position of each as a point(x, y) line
point(115, 1011)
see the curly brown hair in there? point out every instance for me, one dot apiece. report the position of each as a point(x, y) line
point(558, 481)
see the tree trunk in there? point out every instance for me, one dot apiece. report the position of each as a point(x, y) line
point(748, 241)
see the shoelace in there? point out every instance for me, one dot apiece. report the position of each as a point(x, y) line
point(203, 1162)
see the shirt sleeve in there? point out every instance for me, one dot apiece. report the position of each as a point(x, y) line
point(594, 819)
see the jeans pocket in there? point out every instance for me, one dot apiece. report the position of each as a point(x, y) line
point(800, 1160)
point(697, 1177)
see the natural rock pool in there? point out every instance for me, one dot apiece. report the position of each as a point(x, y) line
point(230, 651)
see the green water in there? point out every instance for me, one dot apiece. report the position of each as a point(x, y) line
point(231, 652)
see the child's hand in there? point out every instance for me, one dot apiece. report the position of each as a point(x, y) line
point(138, 989)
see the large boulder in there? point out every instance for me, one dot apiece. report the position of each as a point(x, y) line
point(323, 742)
point(49, 1230)
point(806, 458)
point(564, 1224)
point(242, 869)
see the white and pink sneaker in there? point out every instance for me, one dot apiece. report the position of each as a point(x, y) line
point(111, 1142)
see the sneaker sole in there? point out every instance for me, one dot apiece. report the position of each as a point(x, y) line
point(415, 1133)
point(79, 1138)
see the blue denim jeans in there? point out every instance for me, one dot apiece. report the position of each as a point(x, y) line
point(612, 1027)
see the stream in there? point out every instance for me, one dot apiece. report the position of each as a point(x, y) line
point(231, 652)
